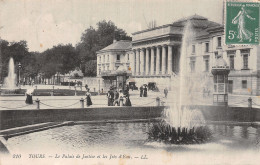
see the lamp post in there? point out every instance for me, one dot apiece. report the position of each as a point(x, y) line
point(19, 68)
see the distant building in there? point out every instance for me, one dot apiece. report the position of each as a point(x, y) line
point(154, 56)
point(111, 59)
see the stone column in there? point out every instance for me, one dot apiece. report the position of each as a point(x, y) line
point(163, 59)
point(152, 61)
point(169, 59)
point(157, 60)
point(137, 71)
point(142, 62)
point(147, 62)
point(132, 62)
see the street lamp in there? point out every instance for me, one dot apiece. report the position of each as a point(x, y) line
point(19, 76)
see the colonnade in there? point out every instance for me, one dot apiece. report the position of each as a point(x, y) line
point(156, 60)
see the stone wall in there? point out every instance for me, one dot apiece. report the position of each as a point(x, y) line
point(16, 118)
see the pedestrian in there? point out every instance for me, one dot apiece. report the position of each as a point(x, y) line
point(127, 101)
point(116, 102)
point(29, 99)
point(88, 98)
point(145, 91)
point(141, 91)
point(165, 92)
point(110, 97)
point(127, 88)
point(121, 98)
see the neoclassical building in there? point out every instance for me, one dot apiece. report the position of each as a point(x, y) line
point(154, 56)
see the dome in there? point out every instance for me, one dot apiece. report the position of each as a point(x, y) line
point(220, 62)
point(220, 67)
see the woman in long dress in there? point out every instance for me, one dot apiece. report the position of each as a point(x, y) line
point(89, 102)
point(243, 33)
point(29, 99)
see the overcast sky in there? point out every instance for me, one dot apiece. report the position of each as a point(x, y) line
point(45, 23)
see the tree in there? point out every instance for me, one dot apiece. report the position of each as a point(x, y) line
point(18, 51)
point(60, 58)
point(93, 40)
point(91, 68)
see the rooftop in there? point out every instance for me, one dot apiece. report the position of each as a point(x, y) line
point(121, 45)
point(197, 21)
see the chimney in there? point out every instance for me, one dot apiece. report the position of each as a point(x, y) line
point(114, 40)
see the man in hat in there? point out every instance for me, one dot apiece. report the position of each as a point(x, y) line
point(141, 91)
point(110, 97)
point(145, 90)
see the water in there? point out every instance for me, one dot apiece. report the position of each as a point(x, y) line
point(10, 80)
point(178, 116)
point(131, 139)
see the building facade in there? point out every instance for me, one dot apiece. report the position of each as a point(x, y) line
point(154, 56)
point(110, 60)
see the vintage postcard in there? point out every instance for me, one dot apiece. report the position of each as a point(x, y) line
point(122, 82)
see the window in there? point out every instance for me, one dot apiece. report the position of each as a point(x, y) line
point(128, 57)
point(107, 67)
point(206, 47)
point(216, 55)
point(219, 41)
point(244, 83)
point(99, 70)
point(193, 48)
point(245, 61)
point(192, 65)
point(100, 59)
point(206, 65)
point(107, 58)
point(231, 62)
point(118, 57)
point(104, 58)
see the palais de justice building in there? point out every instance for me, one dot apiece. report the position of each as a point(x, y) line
point(154, 56)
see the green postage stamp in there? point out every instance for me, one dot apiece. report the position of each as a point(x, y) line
point(242, 23)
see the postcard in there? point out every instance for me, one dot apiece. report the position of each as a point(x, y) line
point(122, 82)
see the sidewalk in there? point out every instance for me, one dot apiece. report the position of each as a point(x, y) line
point(63, 102)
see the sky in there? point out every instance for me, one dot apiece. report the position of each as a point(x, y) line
point(45, 23)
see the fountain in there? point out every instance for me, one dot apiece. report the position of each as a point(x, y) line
point(9, 82)
point(180, 123)
point(9, 86)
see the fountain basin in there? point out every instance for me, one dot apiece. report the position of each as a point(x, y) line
point(130, 138)
point(13, 92)
point(22, 117)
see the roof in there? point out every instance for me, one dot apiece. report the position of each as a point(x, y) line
point(197, 21)
point(121, 45)
point(220, 62)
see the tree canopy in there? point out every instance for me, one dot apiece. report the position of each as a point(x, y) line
point(61, 58)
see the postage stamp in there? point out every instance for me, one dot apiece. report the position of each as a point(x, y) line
point(242, 23)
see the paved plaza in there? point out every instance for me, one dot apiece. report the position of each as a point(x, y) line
point(62, 102)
